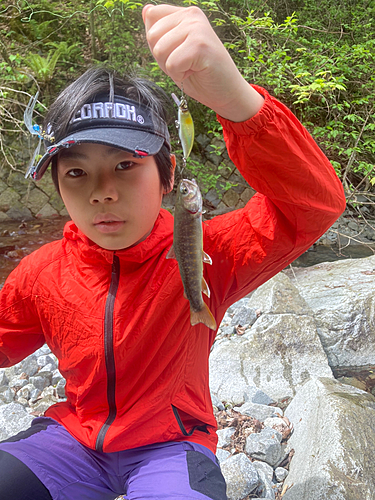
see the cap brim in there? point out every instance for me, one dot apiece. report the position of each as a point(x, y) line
point(129, 140)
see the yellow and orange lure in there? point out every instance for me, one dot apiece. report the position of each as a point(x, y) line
point(185, 126)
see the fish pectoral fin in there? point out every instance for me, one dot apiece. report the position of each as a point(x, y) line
point(171, 254)
point(203, 316)
point(205, 288)
point(206, 258)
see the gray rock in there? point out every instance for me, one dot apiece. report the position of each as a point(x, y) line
point(30, 365)
point(266, 487)
point(13, 419)
point(42, 351)
point(47, 359)
point(334, 443)
point(254, 395)
point(4, 382)
point(260, 412)
point(342, 296)
point(34, 395)
point(240, 475)
point(222, 455)
point(265, 446)
point(279, 296)
point(281, 474)
point(7, 396)
point(224, 436)
point(56, 377)
point(60, 388)
point(22, 401)
point(244, 316)
point(216, 402)
point(39, 382)
point(46, 372)
point(265, 468)
point(18, 382)
point(276, 423)
point(278, 353)
point(25, 391)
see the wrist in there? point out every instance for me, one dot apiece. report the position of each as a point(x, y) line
point(246, 104)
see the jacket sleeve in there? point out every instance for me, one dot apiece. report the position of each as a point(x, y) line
point(20, 330)
point(299, 196)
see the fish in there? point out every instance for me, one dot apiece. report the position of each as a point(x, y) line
point(187, 249)
point(185, 126)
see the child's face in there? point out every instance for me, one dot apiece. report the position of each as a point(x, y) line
point(112, 197)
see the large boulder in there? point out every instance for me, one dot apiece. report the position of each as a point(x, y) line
point(278, 353)
point(342, 296)
point(334, 443)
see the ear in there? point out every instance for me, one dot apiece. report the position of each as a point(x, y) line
point(173, 161)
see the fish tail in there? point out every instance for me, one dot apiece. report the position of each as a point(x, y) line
point(203, 316)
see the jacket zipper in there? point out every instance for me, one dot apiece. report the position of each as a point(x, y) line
point(109, 354)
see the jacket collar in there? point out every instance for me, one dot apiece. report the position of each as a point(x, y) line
point(160, 238)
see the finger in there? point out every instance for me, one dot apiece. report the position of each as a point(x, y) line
point(165, 27)
point(167, 44)
point(153, 13)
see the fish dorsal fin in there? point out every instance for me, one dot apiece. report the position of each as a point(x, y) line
point(206, 258)
point(205, 288)
point(171, 254)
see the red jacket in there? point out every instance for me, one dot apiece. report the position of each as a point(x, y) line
point(136, 370)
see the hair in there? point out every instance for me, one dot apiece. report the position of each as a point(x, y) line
point(100, 80)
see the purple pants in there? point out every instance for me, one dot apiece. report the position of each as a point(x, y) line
point(70, 471)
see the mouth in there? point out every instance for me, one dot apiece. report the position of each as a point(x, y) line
point(108, 223)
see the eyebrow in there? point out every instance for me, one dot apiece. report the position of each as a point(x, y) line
point(75, 155)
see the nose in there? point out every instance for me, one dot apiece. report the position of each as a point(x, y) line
point(104, 190)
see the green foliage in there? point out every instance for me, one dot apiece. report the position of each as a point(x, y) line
point(317, 57)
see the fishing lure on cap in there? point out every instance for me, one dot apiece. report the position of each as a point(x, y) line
point(34, 130)
point(185, 126)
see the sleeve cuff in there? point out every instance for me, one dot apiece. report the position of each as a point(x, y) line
point(256, 122)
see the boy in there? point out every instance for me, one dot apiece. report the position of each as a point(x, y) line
point(138, 416)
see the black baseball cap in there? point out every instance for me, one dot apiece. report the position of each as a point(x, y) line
point(118, 122)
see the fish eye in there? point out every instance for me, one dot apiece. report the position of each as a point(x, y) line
point(184, 190)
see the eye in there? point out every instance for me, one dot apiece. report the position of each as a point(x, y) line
point(75, 172)
point(124, 165)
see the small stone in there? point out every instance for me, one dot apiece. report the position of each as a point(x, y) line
point(39, 382)
point(22, 401)
point(41, 407)
point(224, 436)
point(46, 372)
point(47, 359)
point(280, 474)
point(255, 410)
point(30, 365)
point(265, 446)
point(353, 225)
point(34, 395)
point(244, 316)
point(240, 475)
point(3, 380)
point(60, 388)
point(13, 419)
point(56, 377)
point(222, 455)
point(42, 351)
point(216, 402)
point(18, 382)
point(7, 396)
point(254, 395)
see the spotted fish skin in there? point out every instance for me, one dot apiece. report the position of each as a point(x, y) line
point(188, 250)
